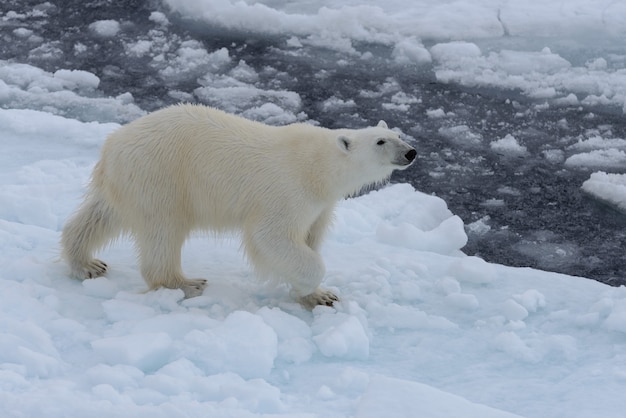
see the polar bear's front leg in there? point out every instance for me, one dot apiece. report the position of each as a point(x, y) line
point(275, 255)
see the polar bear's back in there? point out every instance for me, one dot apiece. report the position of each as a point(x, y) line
point(199, 163)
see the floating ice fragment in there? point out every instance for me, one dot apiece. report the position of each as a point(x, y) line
point(411, 51)
point(508, 146)
point(105, 28)
point(160, 18)
point(609, 188)
point(455, 52)
point(436, 113)
point(602, 158)
point(74, 79)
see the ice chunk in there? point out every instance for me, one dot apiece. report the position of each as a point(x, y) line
point(120, 376)
point(610, 188)
point(604, 158)
point(243, 343)
point(456, 52)
point(145, 351)
point(445, 239)
point(160, 18)
point(100, 287)
point(448, 285)
point(105, 28)
point(391, 397)
point(436, 113)
point(531, 299)
point(77, 79)
point(336, 104)
point(616, 321)
point(407, 317)
point(472, 270)
point(511, 343)
point(345, 339)
point(294, 335)
point(598, 142)
point(461, 135)
point(513, 311)
point(25, 86)
point(410, 51)
point(508, 146)
point(465, 301)
point(119, 310)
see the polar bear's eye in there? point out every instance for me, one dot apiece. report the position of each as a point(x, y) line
point(381, 142)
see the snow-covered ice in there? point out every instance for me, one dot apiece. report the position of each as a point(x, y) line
point(421, 330)
point(421, 327)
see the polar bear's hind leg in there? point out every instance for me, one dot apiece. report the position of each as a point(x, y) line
point(90, 228)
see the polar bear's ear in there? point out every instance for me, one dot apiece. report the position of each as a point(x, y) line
point(382, 124)
point(344, 143)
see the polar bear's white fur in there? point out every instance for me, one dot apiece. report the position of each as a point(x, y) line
point(191, 167)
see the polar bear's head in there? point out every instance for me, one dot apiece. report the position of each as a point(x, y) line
point(377, 147)
point(371, 154)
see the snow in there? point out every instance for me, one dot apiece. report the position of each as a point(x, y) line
point(421, 329)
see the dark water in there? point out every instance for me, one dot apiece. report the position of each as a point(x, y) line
point(527, 211)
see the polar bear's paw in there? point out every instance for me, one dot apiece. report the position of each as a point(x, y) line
point(193, 287)
point(90, 270)
point(319, 297)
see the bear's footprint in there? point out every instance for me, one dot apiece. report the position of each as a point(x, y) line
point(193, 287)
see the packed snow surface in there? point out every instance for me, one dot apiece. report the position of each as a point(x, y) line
point(421, 329)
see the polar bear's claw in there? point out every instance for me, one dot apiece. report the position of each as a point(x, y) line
point(319, 297)
point(91, 270)
point(193, 288)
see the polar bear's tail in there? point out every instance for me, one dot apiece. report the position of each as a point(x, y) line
point(89, 229)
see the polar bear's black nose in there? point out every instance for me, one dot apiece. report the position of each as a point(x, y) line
point(410, 155)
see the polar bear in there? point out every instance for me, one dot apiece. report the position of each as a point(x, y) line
point(191, 167)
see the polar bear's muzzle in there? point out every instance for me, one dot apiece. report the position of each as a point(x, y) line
point(407, 158)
